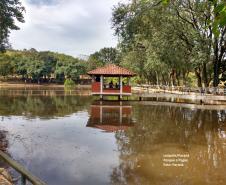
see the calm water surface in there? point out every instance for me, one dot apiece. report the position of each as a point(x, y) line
point(68, 140)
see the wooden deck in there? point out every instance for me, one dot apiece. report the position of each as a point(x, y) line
point(184, 105)
point(195, 97)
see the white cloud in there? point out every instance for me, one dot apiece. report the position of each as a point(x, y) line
point(69, 26)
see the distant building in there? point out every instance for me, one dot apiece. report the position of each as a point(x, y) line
point(85, 80)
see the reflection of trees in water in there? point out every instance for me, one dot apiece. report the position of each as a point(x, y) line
point(198, 132)
point(35, 106)
point(44, 107)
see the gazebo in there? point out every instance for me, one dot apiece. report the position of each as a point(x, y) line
point(110, 117)
point(120, 89)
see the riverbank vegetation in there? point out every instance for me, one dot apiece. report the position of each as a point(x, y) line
point(165, 42)
point(31, 66)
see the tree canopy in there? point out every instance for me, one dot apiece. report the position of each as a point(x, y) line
point(102, 57)
point(33, 66)
point(10, 11)
point(166, 43)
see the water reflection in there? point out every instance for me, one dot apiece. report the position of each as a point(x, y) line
point(42, 107)
point(43, 91)
point(112, 143)
point(110, 116)
point(164, 130)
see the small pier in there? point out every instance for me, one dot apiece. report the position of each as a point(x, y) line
point(179, 96)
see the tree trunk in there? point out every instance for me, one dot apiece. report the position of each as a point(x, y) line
point(163, 79)
point(199, 78)
point(157, 78)
point(215, 75)
point(173, 77)
point(178, 78)
point(215, 65)
point(204, 75)
point(184, 76)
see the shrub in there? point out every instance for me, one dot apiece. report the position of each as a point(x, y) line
point(69, 83)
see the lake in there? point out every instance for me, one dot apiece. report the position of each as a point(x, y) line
point(67, 138)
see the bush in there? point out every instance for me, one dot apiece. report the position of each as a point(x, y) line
point(69, 83)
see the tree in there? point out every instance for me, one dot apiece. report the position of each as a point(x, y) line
point(35, 69)
point(50, 61)
point(208, 20)
point(219, 9)
point(19, 63)
point(10, 10)
point(5, 65)
point(181, 36)
point(68, 66)
point(148, 34)
point(102, 57)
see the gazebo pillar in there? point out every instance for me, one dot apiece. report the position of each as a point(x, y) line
point(120, 79)
point(101, 86)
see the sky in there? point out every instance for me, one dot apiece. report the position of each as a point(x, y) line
point(74, 27)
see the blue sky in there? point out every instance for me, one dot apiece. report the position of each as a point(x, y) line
point(74, 27)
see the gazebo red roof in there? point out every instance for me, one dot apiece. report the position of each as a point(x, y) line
point(111, 70)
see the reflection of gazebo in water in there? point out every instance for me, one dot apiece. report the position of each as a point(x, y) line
point(110, 118)
point(118, 89)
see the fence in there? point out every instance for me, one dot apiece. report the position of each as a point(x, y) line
point(180, 89)
point(25, 174)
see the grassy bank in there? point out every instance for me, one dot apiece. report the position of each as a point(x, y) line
point(35, 85)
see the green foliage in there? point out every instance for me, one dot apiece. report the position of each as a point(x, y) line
point(103, 57)
point(218, 18)
point(70, 68)
point(34, 66)
point(33, 106)
point(69, 83)
point(5, 65)
point(163, 44)
point(35, 69)
point(10, 10)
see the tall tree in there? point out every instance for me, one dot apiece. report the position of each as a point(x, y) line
point(104, 56)
point(10, 11)
point(184, 36)
point(5, 65)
